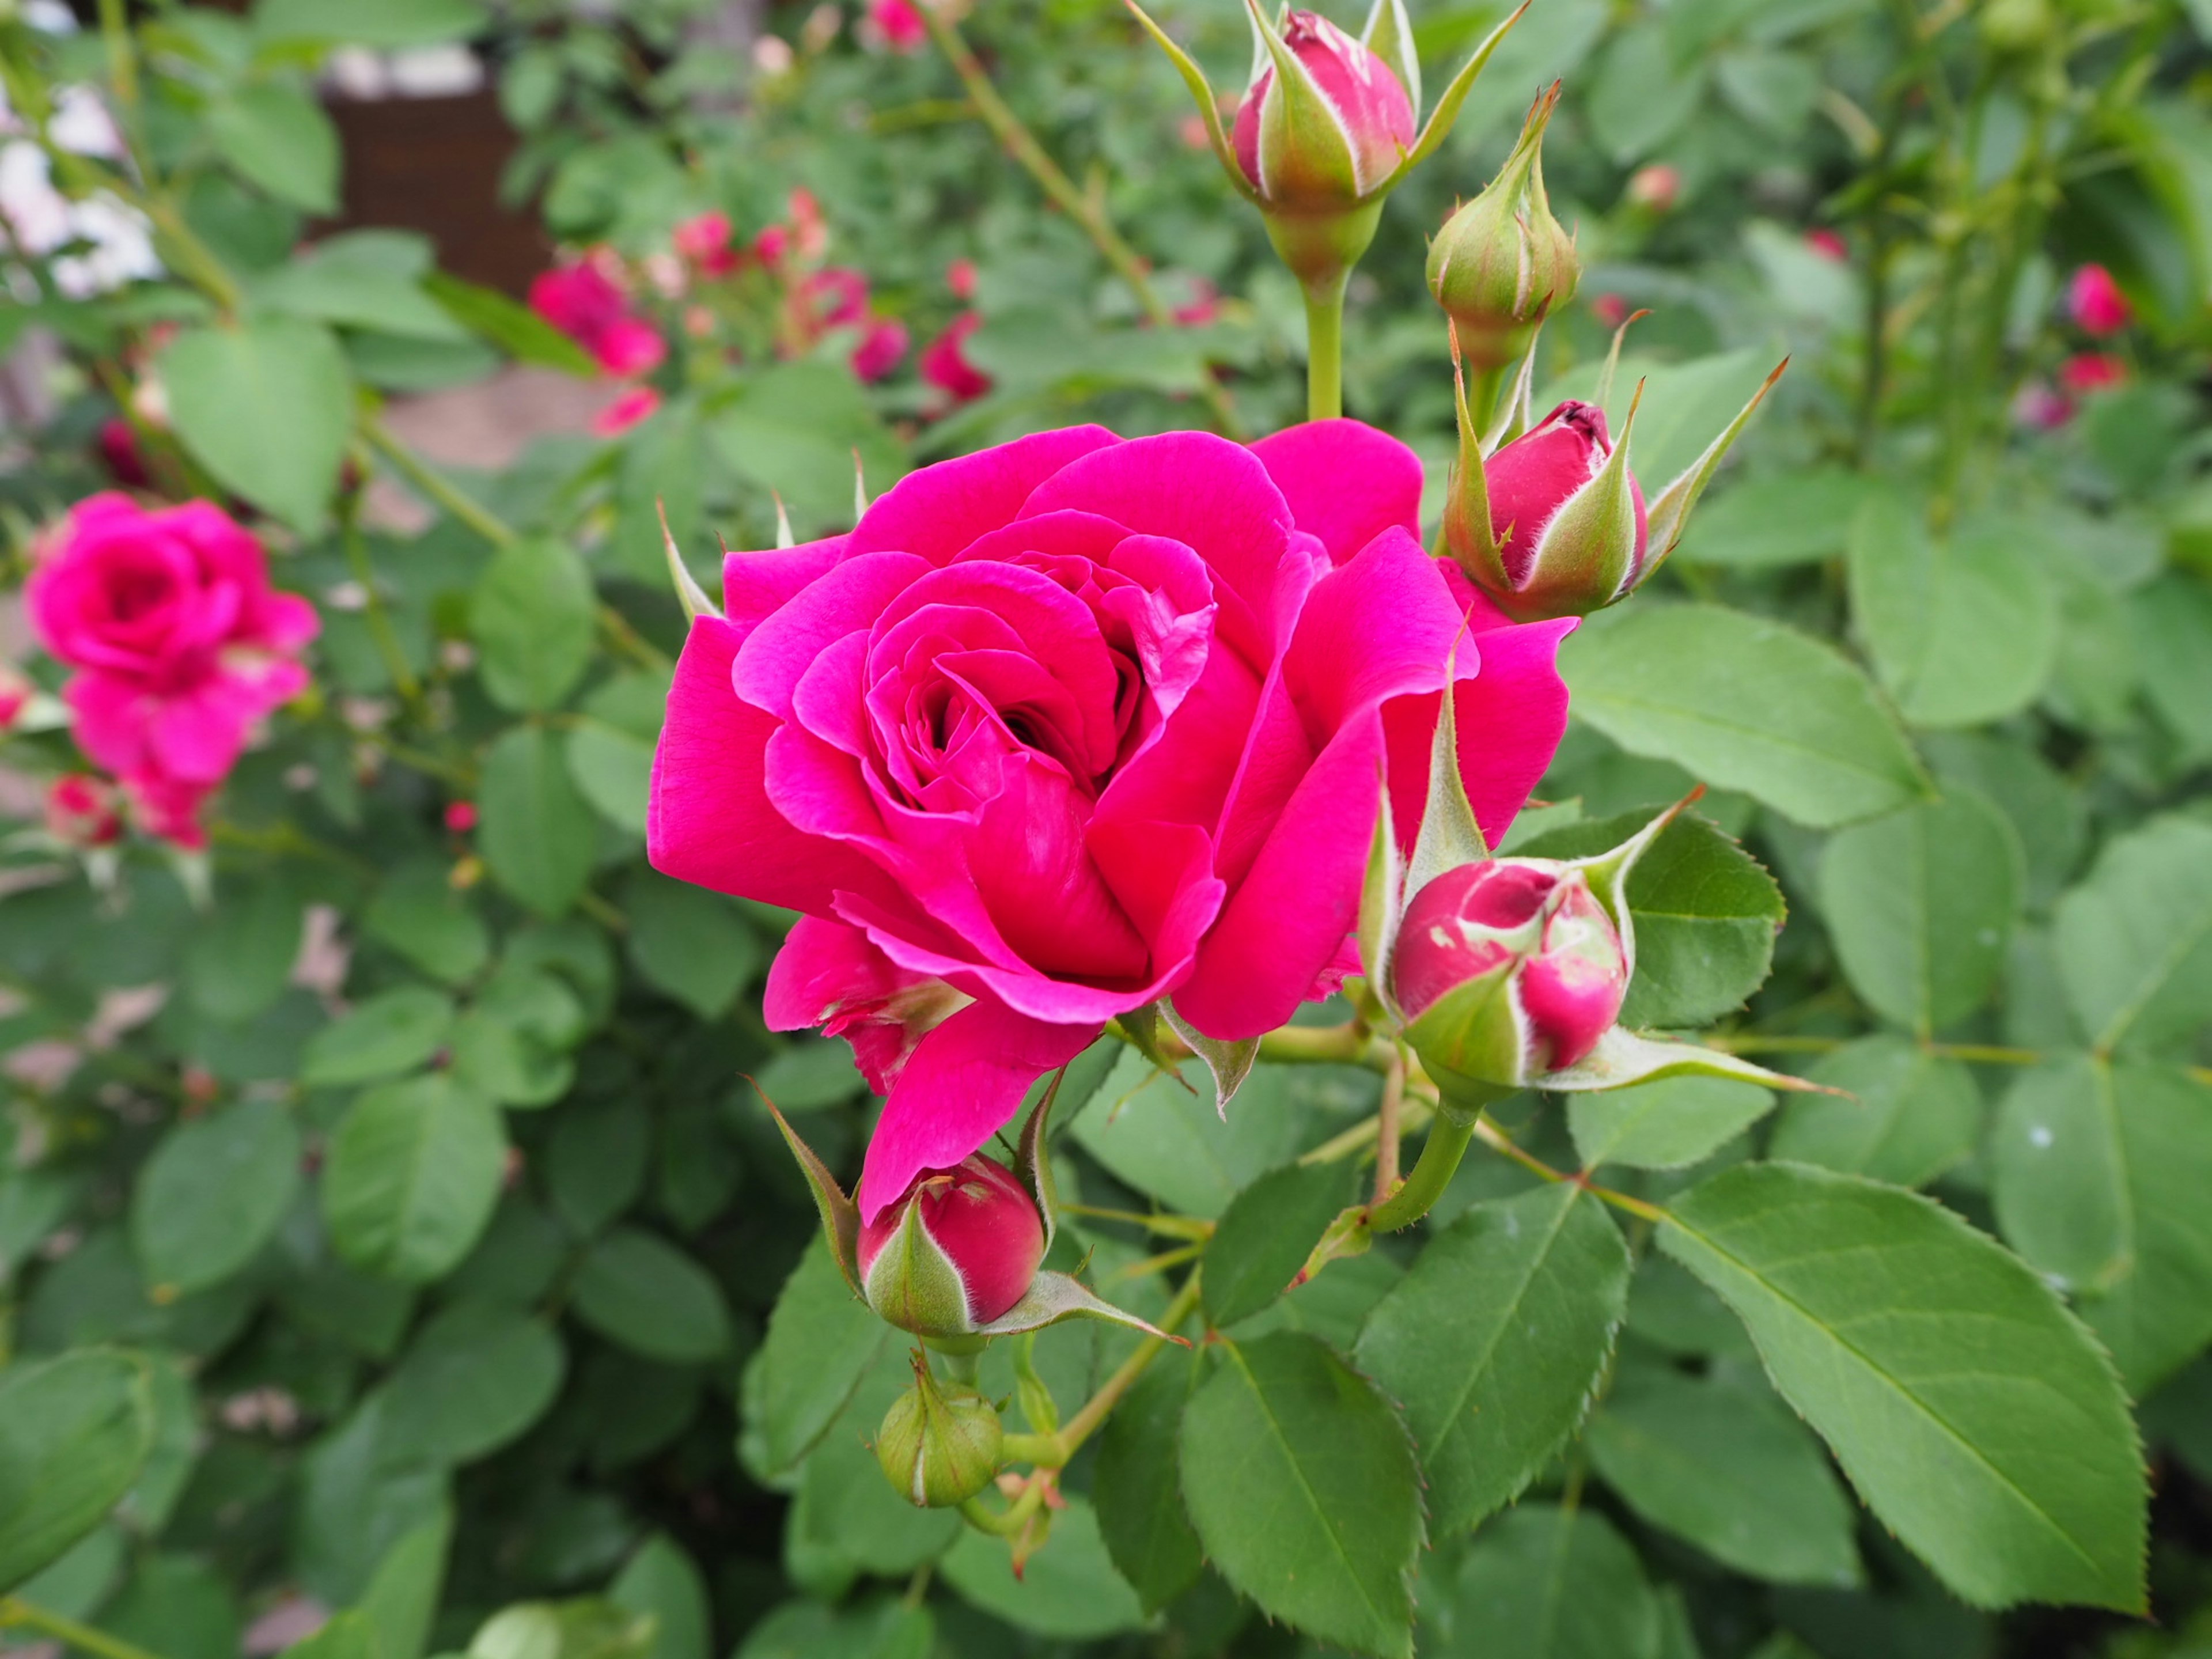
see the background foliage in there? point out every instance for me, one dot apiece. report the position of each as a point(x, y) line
point(446, 1282)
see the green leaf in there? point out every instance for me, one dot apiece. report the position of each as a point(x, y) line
point(1265, 1236)
point(1663, 1125)
point(1974, 1414)
point(595, 1165)
point(278, 137)
point(1904, 1116)
point(1920, 905)
point(820, 1341)
point(614, 769)
point(848, 1512)
point(359, 1502)
point(496, 1059)
point(695, 945)
point(1137, 1489)
point(2135, 940)
point(182, 1603)
point(265, 406)
point(1069, 1589)
point(213, 1193)
point(411, 1176)
point(1744, 703)
point(401, 1601)
point(475, 1378)
point(1301, 1481)
point(1962, 631)
point(1778, 518)
point(1546, 1582)
point(1720, 1461)
point(351, 282)
point(1493, 1342)
point(794, 430)
point(531, 613)
point(388, 23)
point(640, 1291)
point(515, 328)
point(419, 913)
point(74, 1432)
point(390, 1032)
point(1159, 1131)
point(241, 960)
point(662, 1580)
point(351, 1635)
point(1706, 915)
point(2100, 1177)
point(585, 1628)
point(537, 834)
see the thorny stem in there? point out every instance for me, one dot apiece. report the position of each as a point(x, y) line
point(1387, 1126)
point(1086, 209)
point(1054, 1451)
point(14, 1611)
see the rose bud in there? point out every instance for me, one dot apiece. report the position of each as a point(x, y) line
point(1567, 523)
point(2095, 303)
point(1508, 969)
point(1330, 143)
point(958, 1250)
point(14, 697)
point(939, 1446)
point(1502, 264)
point(81, 810)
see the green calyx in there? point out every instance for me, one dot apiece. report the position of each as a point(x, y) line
point(1502, 263)
point(939, 1447)
point(913, 1284)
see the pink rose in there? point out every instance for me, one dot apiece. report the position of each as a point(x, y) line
point(584, 304)
point(180, 643)
point(1373, 114)
point(168, 808)
point(80, 810)
point(2095, 303)
point(945, 365)
point(899, 24)
point(625, 412)
point(2092, 371)
point(960, 278)
point(882, 349)
point(704, 239)
point(1828, 245)
point(1076, 724)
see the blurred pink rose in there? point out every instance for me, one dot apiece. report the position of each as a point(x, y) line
point(882, 349)
point(2042, 407)
point(2091, 371)
point(80, 810)
point(960, 278)
point(1655, 187)
point(15, 693)
point(705, 241)
point(837, 296)
point(1203, 307)
point(1076, 724)
point(581, 301)
point(1828, 245)
point(179, 642)
point(625, 412)
point(168, 808)
point(2095, 303)
point(944, 364)
point(899, 23)
point(1610, 309)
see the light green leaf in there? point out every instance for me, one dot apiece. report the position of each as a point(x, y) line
point(1778, 519)
point(532, 612)
point(411, 1176)
point(1546, 1582)
point(213, 1193)
point(74, 1432)
point(515, 328)
point(1493, 1342)
point(390, 1032)
point(476, 1378)
point(1069, 1589)
point(265, 406)
point(538, 833)
point(418, 912)
point(1302, 1483)
point(2135, 940)
point(1975, 1415)
point(402, 1599)
point(1962, 631)
point(1160, 1133)
point(1720, 1461)
point(637, 1289)
point(1265, 1236)
point(1904, 1116)
point(351, 1635)
point(614, 769)
point(2060, 1176)
point(1663, 1125)
point(1920, 905)
point(352, 285)
point(1744, 703)
point(278, 137)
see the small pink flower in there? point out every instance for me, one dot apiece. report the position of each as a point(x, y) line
point(2091, 371)
point(704, 239)
point(2042, 407)
point(1610, 309)
point(1656, 187)
point(625, 412)
point(960, 278)
point(14, 694)
point(118, 452)
point(810, 231)
point(882, 349)
point(1203, 307)
point(584, 304)
point(1828, 245)
point(900, 24)
point(460, 816)
point(2095, 303)
point(1195, 133)
point(945, 362)
point(771, 245)
point(180, 643)
point(837, 296)
point(168, 808)
point(80, 810)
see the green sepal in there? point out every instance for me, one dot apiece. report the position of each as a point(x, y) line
point(1468, 534)
point(1450, 835)
point(1669, 513)
point(1052, 1298)
point(1582, 562)
point(1230, 1063)
point(1209, 110)
point(913, 1285)
point(1480, 1022)
point(1516, 413)
point(1381, 903)
point(1039, 1409)
point(1613, 357)
point(1141, 1028)
point(1448, 106)
point(1623, 1057)
point(1033, 1159)
point(1607, 873)
point(688, 594)
point(840, 1216)
point(860, 488)
point(1389, 35)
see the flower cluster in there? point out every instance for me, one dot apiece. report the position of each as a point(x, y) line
point(2095, 306)
point(179, 645)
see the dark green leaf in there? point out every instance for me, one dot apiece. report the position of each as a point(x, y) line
point(241, 960)
point(643, 1292)
point(213, 1193)
point(417, 911)
point(662, 1580)
point(402, 1599)
point(411, 1176)
point(74, 1432)
point(476, 1376)
point(1068, 1590)
point(1265, 1236)
point(1546, 1582)
point(821, 1340)
point(695, 945)
point(1137, 1489)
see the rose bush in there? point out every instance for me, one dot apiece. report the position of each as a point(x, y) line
point(1072, 726)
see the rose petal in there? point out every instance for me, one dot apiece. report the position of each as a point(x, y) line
point(936, 511)
point(1346, 482)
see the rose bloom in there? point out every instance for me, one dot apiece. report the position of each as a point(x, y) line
point(2095, 303)
point(899, 23)
point(960, 278)
point(704, 239)
point(882, 349)
point(179, 641)
point(581, 301)
point(80, 810)
point(1828, 245)
point(2091, 371)
point(1073, 726)
point(945, 365)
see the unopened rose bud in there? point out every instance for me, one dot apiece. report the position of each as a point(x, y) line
point(14, 697)
point(958, 1250)
point(1508, 969)
point(1502, 264)
point(1656, 188)
point(1324, 152)
point(939, 1446)
point(2095, 303)
point(82, 810)
point(1569, 531)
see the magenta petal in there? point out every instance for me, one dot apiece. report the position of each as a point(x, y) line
point(197, 738)
point(827, 974)
point(755, 586)
point(938, 511)
point(965, 1080)
point(1346, 482)
point(109, 720)
point(846, 599)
